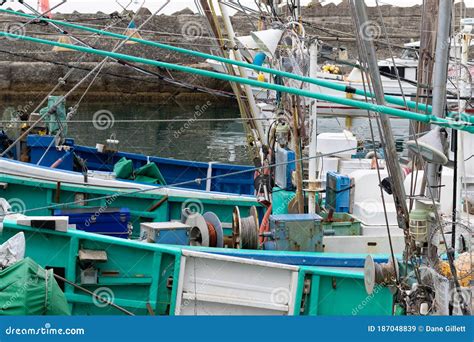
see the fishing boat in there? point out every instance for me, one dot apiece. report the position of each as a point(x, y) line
point(39, 190)
point(291, 222)
point(43, 148)
point(103, 275)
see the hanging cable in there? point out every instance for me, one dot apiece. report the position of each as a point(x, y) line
point(57, 86)
point(438, 218)
point(188, 182)
point(360, 46)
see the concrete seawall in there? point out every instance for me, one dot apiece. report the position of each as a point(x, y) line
point(28, 69)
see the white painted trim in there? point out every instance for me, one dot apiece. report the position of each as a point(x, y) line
point(179, 292)
point(20, 169)
point(209, 175)
point(235, 301)
point(203, 255)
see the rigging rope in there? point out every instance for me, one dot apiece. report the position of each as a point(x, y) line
point(59, 83)
point(425, 175)
point(189, 182)
point(443, 122)
point(323, 83)
point(96, 68)
point(363, 74)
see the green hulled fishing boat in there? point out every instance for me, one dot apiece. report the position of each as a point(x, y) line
point(142, 278)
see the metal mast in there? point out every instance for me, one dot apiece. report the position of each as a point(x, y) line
point(391, 157)
point(439, 82)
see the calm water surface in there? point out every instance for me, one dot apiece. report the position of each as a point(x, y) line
point(222, 141)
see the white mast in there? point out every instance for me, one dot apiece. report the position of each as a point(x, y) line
point(243, 72)
point(464, 92)
point(313, 133)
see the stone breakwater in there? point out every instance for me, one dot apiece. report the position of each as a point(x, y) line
point(28, 69)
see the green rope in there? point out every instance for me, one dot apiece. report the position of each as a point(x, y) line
point(323, 83)
point(460, 125)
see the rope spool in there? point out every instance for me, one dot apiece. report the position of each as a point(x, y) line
point(212, 235)
point(245, 229)
point(216, 232)
point(206, 230)
point(199, 233)
point(379, 273)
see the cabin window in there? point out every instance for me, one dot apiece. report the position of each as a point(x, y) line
point(391, 70)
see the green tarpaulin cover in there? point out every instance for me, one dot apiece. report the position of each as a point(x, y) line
point(52, 119)
point(149, 173)
point(28, 289)
point(123, 168)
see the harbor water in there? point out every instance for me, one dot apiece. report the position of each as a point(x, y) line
point(203, 132)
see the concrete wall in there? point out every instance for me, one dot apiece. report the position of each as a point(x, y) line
point(27, 68)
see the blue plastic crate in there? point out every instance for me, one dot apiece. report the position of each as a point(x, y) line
point(285, 160)
point(38, 145)
point(338, 192)
point(109, 221)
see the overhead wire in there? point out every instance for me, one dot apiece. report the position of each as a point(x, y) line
point(199, 88)
point(97, 71)
point(56, 87)
point(75, 87)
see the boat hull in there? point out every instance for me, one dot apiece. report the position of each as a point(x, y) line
point(153, 279)
point(39, 191)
